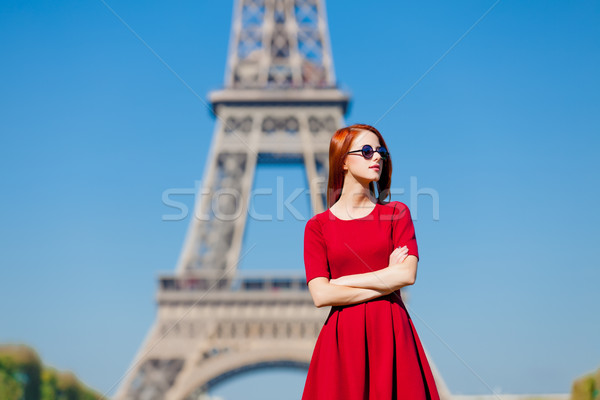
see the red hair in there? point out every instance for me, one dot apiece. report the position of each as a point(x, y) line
point(338, 147)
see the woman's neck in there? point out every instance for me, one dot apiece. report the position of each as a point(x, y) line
point(356, 195)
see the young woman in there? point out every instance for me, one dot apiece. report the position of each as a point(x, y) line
point(357, 255)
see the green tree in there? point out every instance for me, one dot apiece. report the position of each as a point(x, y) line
point(587, 387)
point(22, 377)
point(10, 388)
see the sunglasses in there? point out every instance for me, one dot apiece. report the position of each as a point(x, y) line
point(367, 152)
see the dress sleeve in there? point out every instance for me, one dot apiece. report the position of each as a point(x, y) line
point(315, 251)
point(403, 229)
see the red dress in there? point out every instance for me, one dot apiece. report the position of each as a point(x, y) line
point(369, 350)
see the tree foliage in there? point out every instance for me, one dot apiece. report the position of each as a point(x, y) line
point(587, 387)
point(23, 377)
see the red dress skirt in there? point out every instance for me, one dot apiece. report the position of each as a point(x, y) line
point(368, 350)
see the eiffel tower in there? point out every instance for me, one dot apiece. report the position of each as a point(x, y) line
point(280, 104)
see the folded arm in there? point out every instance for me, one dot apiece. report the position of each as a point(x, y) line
point(401, 272)
point(325, 293)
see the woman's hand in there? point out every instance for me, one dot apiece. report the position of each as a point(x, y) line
point(398, 255)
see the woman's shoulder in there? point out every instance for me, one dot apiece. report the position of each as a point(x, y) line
point(318, 219)
point(394, 206)
point(394, 210)
point(314, 225)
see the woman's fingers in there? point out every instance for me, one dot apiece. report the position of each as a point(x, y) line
point(398, 255)
point(401, 250)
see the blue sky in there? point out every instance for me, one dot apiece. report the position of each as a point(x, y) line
point(505, 129)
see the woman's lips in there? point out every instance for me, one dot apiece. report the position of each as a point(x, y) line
point(376, 167)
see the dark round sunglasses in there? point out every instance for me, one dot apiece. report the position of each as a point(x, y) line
point(367, 152)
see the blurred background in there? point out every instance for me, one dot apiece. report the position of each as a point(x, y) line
point(498, 116)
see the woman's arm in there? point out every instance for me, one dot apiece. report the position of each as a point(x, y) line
point(401, 272)
point(326, 294)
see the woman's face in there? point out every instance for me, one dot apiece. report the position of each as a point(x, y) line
point(358, 166)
